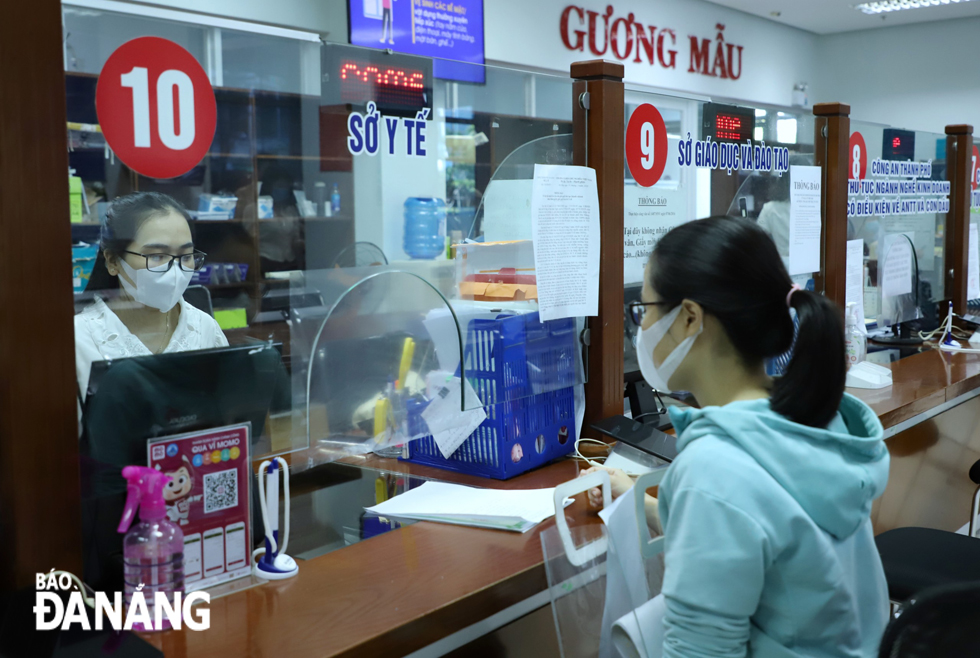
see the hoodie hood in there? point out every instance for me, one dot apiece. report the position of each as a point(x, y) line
point(834, 473)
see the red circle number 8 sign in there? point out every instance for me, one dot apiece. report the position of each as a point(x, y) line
point(858, 157)
point(646, 145)
point(156, 107)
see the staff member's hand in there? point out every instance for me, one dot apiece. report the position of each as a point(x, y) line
point(621, 483)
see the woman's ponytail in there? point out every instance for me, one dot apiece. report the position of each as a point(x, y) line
point(811, 388)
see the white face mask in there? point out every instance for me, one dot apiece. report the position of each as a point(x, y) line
point(159, 290)
point(648, 339)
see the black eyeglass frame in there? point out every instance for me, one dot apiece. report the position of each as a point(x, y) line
point(638, 309)
point(199, 258)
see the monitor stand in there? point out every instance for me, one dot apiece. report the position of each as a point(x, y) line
point(901, 337)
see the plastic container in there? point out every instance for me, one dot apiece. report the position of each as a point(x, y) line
point(335, 200)
point(153, 549)
point(425, 227)
point(855, 344)
point(523, 370)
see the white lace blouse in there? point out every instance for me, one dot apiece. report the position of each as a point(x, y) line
point(100, 335)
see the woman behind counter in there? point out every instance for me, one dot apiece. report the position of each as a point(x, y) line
point(769, 549)
point(147, 247)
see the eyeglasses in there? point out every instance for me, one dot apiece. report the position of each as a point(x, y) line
point(638, 310)
point(163, 262)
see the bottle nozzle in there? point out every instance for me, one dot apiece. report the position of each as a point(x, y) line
point(144, 489)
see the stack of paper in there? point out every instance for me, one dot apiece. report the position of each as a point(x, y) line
point(517, 510)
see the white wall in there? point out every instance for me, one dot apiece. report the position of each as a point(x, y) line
point(327, 17)
point(774, 58)
point(911, 76)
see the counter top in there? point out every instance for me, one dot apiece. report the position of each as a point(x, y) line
point(921, 383)
point(389, 595)
point(403, 590)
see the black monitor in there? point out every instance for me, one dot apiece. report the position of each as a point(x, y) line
point(131, 400)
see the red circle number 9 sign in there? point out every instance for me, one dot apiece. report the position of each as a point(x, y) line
point(646, 145)
point(858, 157)
point(156, 107)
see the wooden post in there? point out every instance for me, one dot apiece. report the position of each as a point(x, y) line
point(600, 132)
point(40, 518)
point(959, 167)
point(832, 132)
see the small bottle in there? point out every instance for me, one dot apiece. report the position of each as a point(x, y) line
point(335, 200)
point(322, 205)
point(153, 550)
point(855, 345)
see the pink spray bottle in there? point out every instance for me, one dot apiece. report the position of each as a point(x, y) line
point(153, 550)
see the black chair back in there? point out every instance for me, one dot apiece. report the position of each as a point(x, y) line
point(941, 622)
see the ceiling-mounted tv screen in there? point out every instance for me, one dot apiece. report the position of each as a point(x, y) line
point(451, 32)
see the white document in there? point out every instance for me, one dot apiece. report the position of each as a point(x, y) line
point(518, 509)
point(804, 219)
point(450, 426)
point(854, 286)
point(897, 271)
point(565, 226)
point(648, 214)
point(973, 271)
point(507, 210)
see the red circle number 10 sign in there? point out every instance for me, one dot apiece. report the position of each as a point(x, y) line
point(646, 145)
point(156, 107)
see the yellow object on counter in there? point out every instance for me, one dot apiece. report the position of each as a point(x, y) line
point(231, 318)
point(408, 353)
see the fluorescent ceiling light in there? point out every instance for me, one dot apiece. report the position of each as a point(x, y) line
point(885, 6)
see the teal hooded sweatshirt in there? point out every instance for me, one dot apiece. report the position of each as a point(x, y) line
point(769, 550)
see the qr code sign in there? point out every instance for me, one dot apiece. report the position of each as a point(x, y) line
point(220, 490)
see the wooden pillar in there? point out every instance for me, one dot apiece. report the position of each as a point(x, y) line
point(959, 168)
point(832, 131)
point(40, 512)
point(600, 132)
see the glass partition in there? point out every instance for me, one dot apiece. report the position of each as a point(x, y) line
point(721, 159)
point(357, 250)
point(898, 197)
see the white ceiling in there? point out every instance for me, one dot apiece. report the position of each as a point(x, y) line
point(832, 16)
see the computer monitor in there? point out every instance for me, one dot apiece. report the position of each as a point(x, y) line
point(131, 400)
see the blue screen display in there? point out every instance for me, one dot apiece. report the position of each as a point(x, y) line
point(441, 29)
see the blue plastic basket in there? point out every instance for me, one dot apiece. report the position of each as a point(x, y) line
point(523, 370)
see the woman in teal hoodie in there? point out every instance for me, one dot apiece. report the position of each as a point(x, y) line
point(769, 547)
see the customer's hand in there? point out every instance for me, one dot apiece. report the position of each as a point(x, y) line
point(621, 483)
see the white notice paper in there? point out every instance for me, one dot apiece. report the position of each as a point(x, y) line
point(973, 271)
point(804, 219)
point(896, 276)
point(565, 225)
point(507, 210)
point(854, 280)
point(450, 426)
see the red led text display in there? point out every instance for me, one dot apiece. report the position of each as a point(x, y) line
point(728, 127)
point(387, 85)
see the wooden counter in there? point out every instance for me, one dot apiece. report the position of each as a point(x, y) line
point(389, 595)
point(400, 592)
point(922, 383)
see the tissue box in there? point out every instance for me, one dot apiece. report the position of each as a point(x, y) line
point(214, 206)
point(265, 207)
point(83, 258)
point(75, 199)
